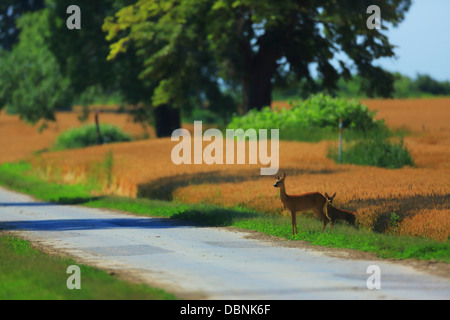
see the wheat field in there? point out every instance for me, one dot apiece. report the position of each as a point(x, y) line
point(19, 140)
point(409, 201)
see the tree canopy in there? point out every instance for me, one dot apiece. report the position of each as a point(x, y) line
point(175, 54)
point(250, 43)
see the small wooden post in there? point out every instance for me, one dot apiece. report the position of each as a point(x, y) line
point(99, 135)
point(340, 140)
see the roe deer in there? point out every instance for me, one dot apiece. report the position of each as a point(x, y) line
point(314, 201)
point(338, 214)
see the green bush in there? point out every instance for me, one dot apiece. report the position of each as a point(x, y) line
point(86, 135)
point(320, 113)
point(378, 152)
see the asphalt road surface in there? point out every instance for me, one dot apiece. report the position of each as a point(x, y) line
point(208, 263)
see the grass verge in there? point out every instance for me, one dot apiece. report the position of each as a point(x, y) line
point(24, 274)
point(15, 176)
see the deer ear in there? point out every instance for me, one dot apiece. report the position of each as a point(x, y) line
point(326, 195)
point(334, 195)
point(277, 177)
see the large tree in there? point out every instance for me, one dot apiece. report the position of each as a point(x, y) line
point(253, 42)
point(31, 83)
point(82, 55)
point(169, 37)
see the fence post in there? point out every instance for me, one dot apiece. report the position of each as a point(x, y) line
point(97, 124)
point(340, 140)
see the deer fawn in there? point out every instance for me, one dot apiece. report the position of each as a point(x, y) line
point(338, 214)
point(314, 201)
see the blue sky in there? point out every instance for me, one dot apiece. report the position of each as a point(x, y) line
point(423, 41)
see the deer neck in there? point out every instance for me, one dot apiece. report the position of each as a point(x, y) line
point(283, 195)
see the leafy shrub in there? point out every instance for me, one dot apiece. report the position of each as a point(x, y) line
point(319, 111)
point(378, 152)
point(86, 135)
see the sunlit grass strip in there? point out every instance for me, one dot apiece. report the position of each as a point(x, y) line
point(344, 236)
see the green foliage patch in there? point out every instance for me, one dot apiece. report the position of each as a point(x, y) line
point(318, 116)
point(31, 82)
point(86, 135)
point(377, 151)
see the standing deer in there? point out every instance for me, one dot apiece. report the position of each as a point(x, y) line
point(338, 214)
point(314, 201)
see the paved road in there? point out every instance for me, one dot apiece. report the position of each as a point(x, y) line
point(206, 263)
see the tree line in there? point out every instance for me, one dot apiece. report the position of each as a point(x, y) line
point(420, 86)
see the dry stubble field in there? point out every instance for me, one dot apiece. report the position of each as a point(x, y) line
point(420, 196)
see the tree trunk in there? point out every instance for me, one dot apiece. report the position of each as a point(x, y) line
point(167, 119)
point(259, 90)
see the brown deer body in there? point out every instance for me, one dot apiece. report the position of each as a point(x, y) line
point(339, 214)
point(311, 201)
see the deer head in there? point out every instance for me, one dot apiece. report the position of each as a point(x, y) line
point(330, 199)
point(279, 181)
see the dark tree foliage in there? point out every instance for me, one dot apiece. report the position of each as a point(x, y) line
point(10, 11)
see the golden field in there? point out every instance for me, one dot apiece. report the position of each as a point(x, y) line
point(420, 196)
point(19, 140)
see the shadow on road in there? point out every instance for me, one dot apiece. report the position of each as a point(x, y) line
point(91, 224)
point(59, 201)
point(27, 204)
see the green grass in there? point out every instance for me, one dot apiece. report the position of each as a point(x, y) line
point(27, 273)
point(348, 237)
point(377, 151)
point(15, 176)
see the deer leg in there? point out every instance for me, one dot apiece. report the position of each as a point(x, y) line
point(292, 221)
point(325, 210)
point(323, 217)
point(295, 223)
point(325, 221)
